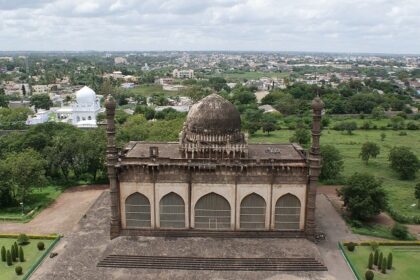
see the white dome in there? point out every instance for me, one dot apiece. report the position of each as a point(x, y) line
point(85, 96)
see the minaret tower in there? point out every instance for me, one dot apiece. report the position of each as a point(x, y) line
point(314, 161)
point(112, 159)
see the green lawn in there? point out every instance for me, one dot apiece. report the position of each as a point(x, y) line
point(31, 254)
point(406, 261)
point(37, 200)
point(401, 193)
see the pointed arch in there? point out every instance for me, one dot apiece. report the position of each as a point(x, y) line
point(137, 211)
point(172, 211)
point(212, 211)
point(252, 212)
point(287, 213)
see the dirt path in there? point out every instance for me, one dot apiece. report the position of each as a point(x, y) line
point(62, 216)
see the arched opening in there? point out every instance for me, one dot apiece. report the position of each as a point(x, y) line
point(287, 213)
point(137, 211)
point(252, 215)
point(172, 211)
point(89, 118)
point(212, 211)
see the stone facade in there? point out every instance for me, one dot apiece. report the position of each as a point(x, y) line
point(214, 178)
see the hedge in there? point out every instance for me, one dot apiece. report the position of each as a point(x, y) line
point(48, 237)
point(385, 243)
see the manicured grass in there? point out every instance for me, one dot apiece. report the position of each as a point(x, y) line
point(150, 89)
point(31, 254)
point(400, 192)
point(405, 261)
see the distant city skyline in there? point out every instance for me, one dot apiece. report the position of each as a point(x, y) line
point(338, 26)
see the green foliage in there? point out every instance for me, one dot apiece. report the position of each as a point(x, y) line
point(13, 252)
point(397, 123)
point(21, 254)
point(351, 246)
point(3, 254)
point(370, 263)
point(400, 231)
point(374, 245)
point(14, 118)
point(369, 149)
point(348, 126)
point(302, 135)
point(383, 266)
point(376, 257)
point(41, 101)
point(380, 260)
point(417, 194)
point(268, 123)
point(383, 136)
point(363, 196)
point(369, 275)
point(412, 126)
point(378, 112)
point(40, 245)
point(404, 162)
point(389, 263)
point(332, 163)
point(18, 270)
point(9, 259)
point(22, 239)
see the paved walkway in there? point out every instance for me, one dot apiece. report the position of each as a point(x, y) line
point(62, 216)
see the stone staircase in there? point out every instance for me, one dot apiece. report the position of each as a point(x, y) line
point(221, 264)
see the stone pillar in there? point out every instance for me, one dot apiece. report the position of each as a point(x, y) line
point(111, 161)
point(314, 161)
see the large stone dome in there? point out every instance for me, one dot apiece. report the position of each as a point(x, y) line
point(86, 96)
point(213, 115)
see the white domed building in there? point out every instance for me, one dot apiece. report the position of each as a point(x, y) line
point(85, 109)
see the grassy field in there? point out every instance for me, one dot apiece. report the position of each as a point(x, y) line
point(240, 76)
point(31, 254)
point(405, 261)
point(401, 193)
point(148, 90)
point(36, 202)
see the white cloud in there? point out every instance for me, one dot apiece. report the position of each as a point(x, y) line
point(323, 25)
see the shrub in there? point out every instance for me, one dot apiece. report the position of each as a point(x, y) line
point(9, 259)
point(369, 149)
point(18, 270)
point(347, 126)
point(384, 264)
point(404, 162)
point(3, 254)
point(402, 133)
point(370, 263)
point(40, 245)
point(389, 264)
point(332, 163)
point(351, 246)
point(374, 245)
point(369, 275)
point(22, 239)
point(376, 257)
point(381, 258)
point(21, 255)
point(412, 126)
point(400, 231)
point(13, 253)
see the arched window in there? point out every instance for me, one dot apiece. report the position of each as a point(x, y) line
point(172, 211)
point(89, 118)
point(252, 212)
point(212, 211)
point(78, 118)
point(137, 211)
point(287, 213)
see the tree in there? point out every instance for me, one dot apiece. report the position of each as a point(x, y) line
point(389, 264)
point(370, 263)
point(369, 149)
point(23, 171)
point(417, 194)
point(376, 257)
point(332, 163)
point(404, 162)
point(41, 101)
point(381, 258)
point(378, 112)
point(383, 136)
point(384, 264)
point(9, 259)
point(3, 254)
point(348, 126)
point(363, 196)
point(302, 135)
point(21, 255)
point(268, 123)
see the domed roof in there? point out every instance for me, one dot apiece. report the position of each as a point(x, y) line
point(85, 95)
point(317, 103)
point(213, 115)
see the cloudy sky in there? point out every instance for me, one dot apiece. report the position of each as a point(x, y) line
point(386, 26)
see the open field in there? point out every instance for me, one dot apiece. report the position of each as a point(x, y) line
point(148, 90)
point(401, 193)
point(31, 253)
point(405, 261)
